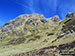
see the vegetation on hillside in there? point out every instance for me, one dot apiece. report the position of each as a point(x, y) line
point(35, 35)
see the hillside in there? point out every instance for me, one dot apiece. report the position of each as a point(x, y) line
point(35, 35)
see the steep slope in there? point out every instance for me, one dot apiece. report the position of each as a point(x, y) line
point(34, 35)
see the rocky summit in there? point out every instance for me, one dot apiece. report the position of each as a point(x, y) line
point(35, 35)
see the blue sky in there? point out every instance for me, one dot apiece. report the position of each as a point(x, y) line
point(9, 9)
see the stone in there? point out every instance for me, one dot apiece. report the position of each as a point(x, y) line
point(33, 39)
point(43, 20)
point(61, 35)
point(71, 31)
point(0, 37)
point(6, 24)
point(45, 40)
point(55, 18)
point(67, 21)
point(50, 34)
point(11, 27)
point(67, 32)
point(18, 24)
point(20, 40)
point(25, 29)
point(28, 21)
point(4, 30)
point(37, 37)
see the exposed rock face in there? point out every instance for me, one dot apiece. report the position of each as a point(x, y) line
point(34, 19)
point(69, 15)
point(69, 23)
point(55, 18)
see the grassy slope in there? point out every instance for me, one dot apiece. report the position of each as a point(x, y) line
point(9, 50)
point(26, 46)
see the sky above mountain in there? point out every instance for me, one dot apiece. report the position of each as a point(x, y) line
point(10, 9)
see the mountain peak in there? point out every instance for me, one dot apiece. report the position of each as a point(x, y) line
point(25, 19)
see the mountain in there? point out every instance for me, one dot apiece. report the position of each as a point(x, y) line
point(35, 35)
point(9, 9)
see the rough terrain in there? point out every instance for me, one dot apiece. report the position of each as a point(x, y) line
point(35, 35)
